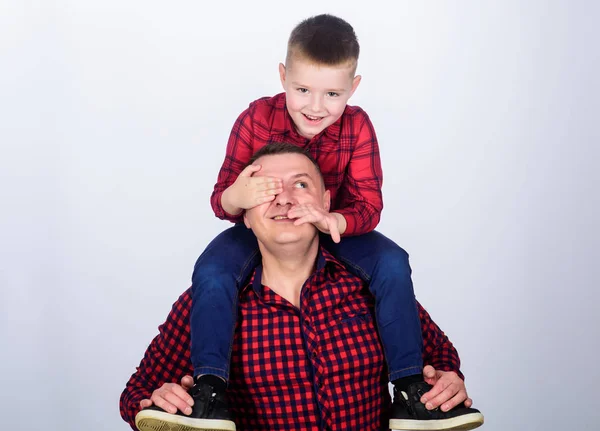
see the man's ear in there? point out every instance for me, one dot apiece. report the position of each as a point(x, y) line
point(326, 200)
point(282, 74)
point(246, 222)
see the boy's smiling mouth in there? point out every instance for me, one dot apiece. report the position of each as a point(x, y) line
point(312, 118)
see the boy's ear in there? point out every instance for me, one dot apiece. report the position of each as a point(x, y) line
point(355, 83)
point(282, 74)
point(246, 222)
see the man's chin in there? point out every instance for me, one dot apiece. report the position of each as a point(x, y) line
point(289, 238)
point(298, 234)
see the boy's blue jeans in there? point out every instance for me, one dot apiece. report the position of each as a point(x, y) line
point(229, 260)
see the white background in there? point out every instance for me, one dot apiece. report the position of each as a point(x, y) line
point(114, 117)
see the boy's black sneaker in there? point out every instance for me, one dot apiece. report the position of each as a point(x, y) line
point(409, 413)
point(209, 413)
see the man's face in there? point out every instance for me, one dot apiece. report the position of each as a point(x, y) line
point(316, 95)
point(302, 184)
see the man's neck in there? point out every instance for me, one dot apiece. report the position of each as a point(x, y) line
point(286, 268)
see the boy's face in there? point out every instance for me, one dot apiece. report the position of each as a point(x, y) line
point(316, 95)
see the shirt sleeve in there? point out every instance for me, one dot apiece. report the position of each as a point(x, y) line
point(238, 154)
point(361, 198)
point(167, 359)
point(438, 351)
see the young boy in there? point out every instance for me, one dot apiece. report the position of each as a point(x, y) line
point(318, 78)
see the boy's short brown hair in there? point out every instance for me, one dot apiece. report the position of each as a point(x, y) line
point(324, 39)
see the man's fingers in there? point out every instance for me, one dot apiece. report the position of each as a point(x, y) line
point(182, 393)
point(179, 402)
point(172, 397)
point(437, 388)
point(447, 399)
point(159, 401)
point(428, 372)
point(447, 392)
point(454, 401)
point(187, 382)
point(167, 399)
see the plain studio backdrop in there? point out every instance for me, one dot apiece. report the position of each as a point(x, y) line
point(114, 116)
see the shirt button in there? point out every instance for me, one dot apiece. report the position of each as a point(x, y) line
point(306, 322)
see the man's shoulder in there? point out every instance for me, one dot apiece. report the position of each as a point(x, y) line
point(183, 305)
point(335, 267)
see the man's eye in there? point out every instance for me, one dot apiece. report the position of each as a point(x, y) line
point(301, 185)
point(332, 94)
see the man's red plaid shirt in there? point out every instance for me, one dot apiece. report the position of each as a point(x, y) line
point(317, 367)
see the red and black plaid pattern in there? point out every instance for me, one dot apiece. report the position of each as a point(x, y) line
point(316, 367)
point(347, 153)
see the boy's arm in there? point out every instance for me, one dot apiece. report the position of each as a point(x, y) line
point(238, 154)
point(361, 201)
point(167, 359)
point(438, 350)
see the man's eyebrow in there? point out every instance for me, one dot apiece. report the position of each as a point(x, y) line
point(303, 174)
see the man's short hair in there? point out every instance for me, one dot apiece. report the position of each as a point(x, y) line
point(324, 39)
point(276, 148)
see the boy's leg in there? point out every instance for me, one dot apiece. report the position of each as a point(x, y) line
point(384, 265)
point(218, 275)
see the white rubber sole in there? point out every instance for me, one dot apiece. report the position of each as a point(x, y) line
point(153, 420)
point(463, 423)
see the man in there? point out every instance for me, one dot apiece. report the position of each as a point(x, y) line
point(306, 351)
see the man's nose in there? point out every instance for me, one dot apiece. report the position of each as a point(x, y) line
point(284, 198)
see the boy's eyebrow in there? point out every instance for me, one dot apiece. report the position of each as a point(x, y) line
point(335, 90)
